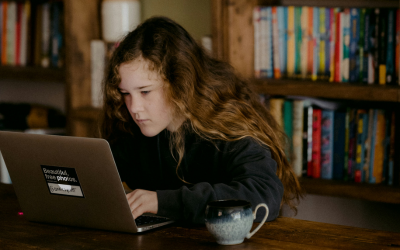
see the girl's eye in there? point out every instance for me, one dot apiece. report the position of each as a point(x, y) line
point(145, 92)
point(124, 93)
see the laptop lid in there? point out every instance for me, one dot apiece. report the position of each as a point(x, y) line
point(67, 180)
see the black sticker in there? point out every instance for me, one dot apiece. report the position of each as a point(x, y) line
point(62, 181)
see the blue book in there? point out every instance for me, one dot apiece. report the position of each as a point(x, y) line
point(354, 36)
point(288, 118)
point(339, 141)
point(282, 27)
point(390, 72)
point(298, 41)
point(327, 144)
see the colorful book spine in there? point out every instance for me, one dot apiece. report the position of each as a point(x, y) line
point(383, 18)
point(282, 27)
point(346, 45)
point(1, 30)
point(298, 41)
point(322, 43)
point(311, 42)
point(18, 34)
point(291, 48)
point(328, 17)
point(297, 141)
point(361, 45)
point(352, 144)
point(11, 32)
point(276, 109)
point(316, 143)
point(327, 144)
point(25, 23)
point(307, 140)
point(4, 34)
point(332, 42)
point(392, 149)
point(346, 145)
point(376, 173)
point(371, 46)
point(390, 50)
point(361, 138)
point(376, 50)
point(305, 42)
point(46, 29)
point(316, 38)
point(288, 124)
point(275, 43)
point(257, 41)
point(354, 36)
point(339, 140)
point(339, 47)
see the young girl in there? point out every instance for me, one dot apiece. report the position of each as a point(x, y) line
point(185, 130)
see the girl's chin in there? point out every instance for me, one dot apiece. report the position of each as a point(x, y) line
point(149, 132)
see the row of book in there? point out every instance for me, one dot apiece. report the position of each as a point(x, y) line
point(359, 45)
point(31, 33)
point(334, 142)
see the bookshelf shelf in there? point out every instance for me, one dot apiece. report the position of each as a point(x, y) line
point(364, 191)
point(327, 90)
point(36, 74)
point(338, 3)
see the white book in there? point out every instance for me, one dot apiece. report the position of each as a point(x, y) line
point(10, 30)
point(97, 67)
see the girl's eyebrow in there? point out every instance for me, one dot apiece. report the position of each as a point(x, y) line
point(142, 87)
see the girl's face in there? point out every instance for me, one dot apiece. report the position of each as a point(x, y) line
point(143, 92)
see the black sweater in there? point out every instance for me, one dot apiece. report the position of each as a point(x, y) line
point(241, 169)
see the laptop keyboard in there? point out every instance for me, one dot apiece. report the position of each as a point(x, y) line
point(144, 219)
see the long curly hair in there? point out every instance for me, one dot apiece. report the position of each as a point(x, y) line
point(216, 103)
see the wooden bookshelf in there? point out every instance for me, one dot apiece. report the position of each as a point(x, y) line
point(32, 74)
point(348, 189)
point(327, 90)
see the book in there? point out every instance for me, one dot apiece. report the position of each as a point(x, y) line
point(56, 33)
point(363, 45)
point(361, 138)
point(351, 164)
point(266, 45)
point(338, 46)
point(328, 18)
point(397, 55)
point(288, 124)
point(311, 42)
point(45, 36)
point(386, 150)
point(18, 33)
point(291, 48)
point(25, 36)
point(339, 140)
point(354, 37)
point(390, 49)
point(316, 143)
point(298, 42)
point(257, 41)
point(322, 42)
point(346, 45)
point(376, 32)
point(276, 109)
point(275, 42)
point(4, 5)
point(332, 42)
point(383, 18)
point(282, 28)
point(304, 42)
point(392, 143)
point(327, 144)
point(307, 139)
point(11, 33)
point(346, 145)
point(97, 66)
point(316, 33)
point(376, 168)
point(1, 30)
point(297, 141)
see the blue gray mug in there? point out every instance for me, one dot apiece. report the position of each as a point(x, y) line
point(230, 221)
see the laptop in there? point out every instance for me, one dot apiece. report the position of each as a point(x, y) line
point(70, 181)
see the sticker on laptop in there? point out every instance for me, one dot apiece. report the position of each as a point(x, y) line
point(62, 181)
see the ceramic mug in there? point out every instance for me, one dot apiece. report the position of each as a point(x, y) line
point(230, 221)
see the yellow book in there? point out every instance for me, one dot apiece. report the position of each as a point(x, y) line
point(291, 49)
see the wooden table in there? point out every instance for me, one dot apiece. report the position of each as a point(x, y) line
point(284, 233)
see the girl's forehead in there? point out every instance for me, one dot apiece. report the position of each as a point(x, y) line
point(137, 72)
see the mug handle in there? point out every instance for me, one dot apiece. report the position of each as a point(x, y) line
point(262, 222)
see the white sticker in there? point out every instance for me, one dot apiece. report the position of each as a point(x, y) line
point(62, 181)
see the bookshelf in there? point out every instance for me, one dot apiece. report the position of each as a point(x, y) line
point(32, 74)
point(233, 41)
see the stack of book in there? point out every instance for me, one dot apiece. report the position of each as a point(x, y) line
point(327, 44)
point(330, 141)
point(31, 33)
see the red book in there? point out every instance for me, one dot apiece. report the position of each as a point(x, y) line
point(316, 143)
point(18, 33)
point(338, 47)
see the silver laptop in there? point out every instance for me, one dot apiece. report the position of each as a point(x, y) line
point(70, 181)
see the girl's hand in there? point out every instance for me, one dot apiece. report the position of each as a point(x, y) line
point(142, 201)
